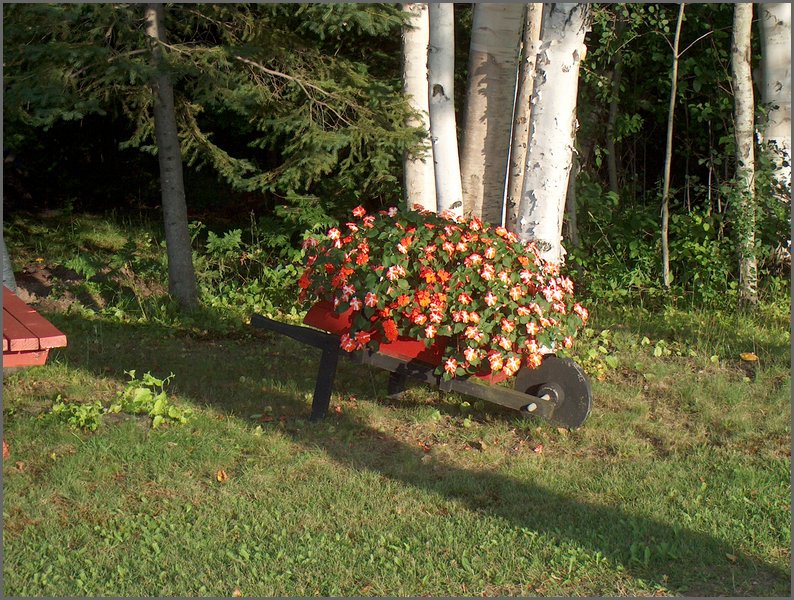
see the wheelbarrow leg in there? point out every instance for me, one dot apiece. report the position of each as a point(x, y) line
point(325, 382)
point(396, 385)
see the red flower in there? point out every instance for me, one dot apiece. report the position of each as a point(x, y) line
point(451, 365)
point(371, 300)
point(359, 211)
point(430, 331)
point(390, 329)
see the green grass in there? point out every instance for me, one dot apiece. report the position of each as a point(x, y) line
point(679, 483)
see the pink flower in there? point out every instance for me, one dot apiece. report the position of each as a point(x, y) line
point(395, 272)
point(490, 299)
point(369, 221)
point(392, 211)
point(348, 290)
point(334, 233)
point(359, 211)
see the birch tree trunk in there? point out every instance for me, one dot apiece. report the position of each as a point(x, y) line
point(181, 275)
point(443, 132)
point(745, 157)
point(669, 153)
point(487, 113)
point(552, 128)
point(776, 89)
point(420, 182)
point(530, 39)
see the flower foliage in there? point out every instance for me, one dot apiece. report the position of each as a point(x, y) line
point(490, 301)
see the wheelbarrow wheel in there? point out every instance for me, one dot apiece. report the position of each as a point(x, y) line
point(563, 382)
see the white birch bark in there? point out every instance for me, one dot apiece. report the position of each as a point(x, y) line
point(745, 155)
point(776, 74)
point(552, 128)
point(530, 41)
point(487, 114)
point(443, 132)
point(420, 182)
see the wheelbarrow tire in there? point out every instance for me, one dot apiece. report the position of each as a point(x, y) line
point(572, 395)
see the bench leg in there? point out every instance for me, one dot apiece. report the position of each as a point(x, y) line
point(325, 383)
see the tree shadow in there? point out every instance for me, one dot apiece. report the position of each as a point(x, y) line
point(682, 560)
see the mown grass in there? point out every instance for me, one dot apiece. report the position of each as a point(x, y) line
point(679, 483)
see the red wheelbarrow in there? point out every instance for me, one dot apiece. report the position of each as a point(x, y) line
point(557, 390)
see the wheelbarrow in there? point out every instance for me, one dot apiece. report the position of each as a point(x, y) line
point(557, 390)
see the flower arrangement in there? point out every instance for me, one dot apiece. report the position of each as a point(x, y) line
point(490, 300)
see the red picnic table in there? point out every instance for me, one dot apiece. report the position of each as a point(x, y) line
point(27, 336)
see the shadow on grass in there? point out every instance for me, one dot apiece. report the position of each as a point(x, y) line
point(219, 372)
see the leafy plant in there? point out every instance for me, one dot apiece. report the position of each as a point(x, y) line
point(483, 297)
point(147, 396)
point(78, 415)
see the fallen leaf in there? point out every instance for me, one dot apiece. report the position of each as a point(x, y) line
point(478, 445)
point(20, 466)
point(221, 476)
point(731, 557)
point(538, 449)
point(237, 593)
point(748, 356)
point(6, 450)
point(562, 430)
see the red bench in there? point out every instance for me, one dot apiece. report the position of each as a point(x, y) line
point(27, 336)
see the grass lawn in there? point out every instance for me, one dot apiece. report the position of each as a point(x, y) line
point(679, 482)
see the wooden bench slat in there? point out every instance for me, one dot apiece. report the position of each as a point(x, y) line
point(5, 344)
point(19, 337)
point(47, 335)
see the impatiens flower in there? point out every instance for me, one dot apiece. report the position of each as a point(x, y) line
point(523, 311)
point(392, 211)
point(490, 253)
point(472, 259)
point(448, 247)
point(430, 331)
point(362, 258)
point(490, 299)
point(487, 272)
point(496, 362)
point(532, 346)
point(451, 365)
point(461, 247)
point(516, 293)
point(475, 224)
point(470, 354)
point(513, 364)
point(359, 211)
point(390, 329)
point(472, 333)
point(348, 290)
point(460, 316)
point(352, 227)
point(507, 325)
point(403, 300)
point(568, 342)
point(525, 276)
point(355, 303)
point(334, 233)
point(395, 272)
point(371, 300)
point(429, 250)
point(362, 337)
point(369, 221)
point(534, 360)
point(464, 299)
point(443, 276)
point(474, 317)
point(504, 277)
point(436, 316)
point(500, 231)
point(532, 328)
point(420, 318)
point(505, 343)
point(347, 344)
point(558, 307)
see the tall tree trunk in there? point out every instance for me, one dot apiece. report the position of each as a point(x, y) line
point(487, 113)
point(181, 275)
point(614, 103)
point(552, 128)
point(420, 183)
point(530, 40)
point(572, 228)
point(443, 132)
point(776, 89)
point(669, 153)
point(745, 157)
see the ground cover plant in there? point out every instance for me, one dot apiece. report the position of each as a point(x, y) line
point(679, 482)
